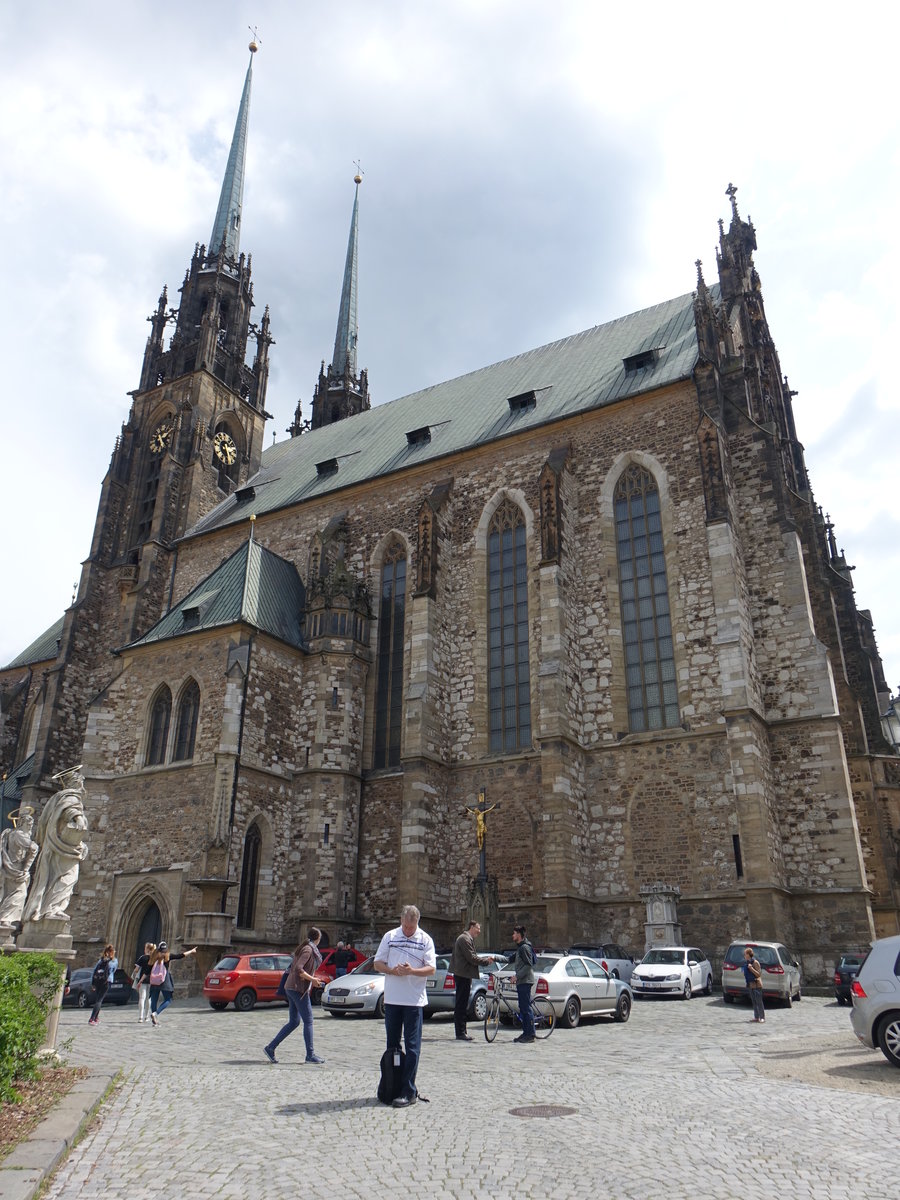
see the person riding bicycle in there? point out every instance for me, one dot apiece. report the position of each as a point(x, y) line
point(524, 967)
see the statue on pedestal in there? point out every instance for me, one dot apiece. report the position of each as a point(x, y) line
point(17, 853)
point(60, 832)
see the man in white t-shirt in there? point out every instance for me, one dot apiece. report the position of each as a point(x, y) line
point(406, 957)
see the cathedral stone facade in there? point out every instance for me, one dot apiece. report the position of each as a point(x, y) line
point(590, 582)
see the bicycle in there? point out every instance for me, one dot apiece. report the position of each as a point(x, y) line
point(543, 1014)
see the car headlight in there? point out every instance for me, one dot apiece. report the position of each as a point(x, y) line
point(670, 978)
point(365, 989)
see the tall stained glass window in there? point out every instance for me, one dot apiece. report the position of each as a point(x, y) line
point(389, 678)
point(159, 727)
point(644, 597)
point(509, 681)
point(186, 725)
point(246, 913)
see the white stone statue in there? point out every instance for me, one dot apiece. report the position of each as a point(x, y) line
point(17, 853)
point(61, 829)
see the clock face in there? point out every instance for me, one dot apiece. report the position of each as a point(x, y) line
point(161, 437)
point(225, 449)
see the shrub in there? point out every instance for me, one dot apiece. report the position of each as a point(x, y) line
point(28, 986)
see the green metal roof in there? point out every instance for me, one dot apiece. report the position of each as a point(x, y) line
point(254, 587)
point(582, 372)
point(41, 649)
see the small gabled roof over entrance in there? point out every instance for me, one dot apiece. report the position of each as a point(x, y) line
point(253, 587)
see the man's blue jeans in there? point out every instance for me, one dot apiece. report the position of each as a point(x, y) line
point(403, 1018)
point(523, 991)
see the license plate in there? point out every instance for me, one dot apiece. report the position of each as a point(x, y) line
point(336, 1000)
point(507, 987)
point(213, 982)
point(429, 983)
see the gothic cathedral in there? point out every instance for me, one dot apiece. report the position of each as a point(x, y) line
point(589, 583)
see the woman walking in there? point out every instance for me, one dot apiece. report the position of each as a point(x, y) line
point(104, 975)
point(301, 977)
point(142, 981)
point(161, 983)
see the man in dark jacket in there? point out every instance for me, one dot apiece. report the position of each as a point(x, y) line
point(524, 965)
point(465, 967)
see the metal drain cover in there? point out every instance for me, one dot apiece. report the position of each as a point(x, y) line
point(543, 1110)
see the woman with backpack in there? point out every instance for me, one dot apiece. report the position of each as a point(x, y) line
point(104, 975)
point(161, 979)
point(301, 977)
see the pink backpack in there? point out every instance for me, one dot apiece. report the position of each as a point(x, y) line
point(158, 974)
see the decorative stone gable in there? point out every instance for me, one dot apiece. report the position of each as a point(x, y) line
point(712, 469)
point(427, 539)
point(551, 507)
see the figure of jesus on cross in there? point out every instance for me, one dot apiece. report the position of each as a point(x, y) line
point(479, 812)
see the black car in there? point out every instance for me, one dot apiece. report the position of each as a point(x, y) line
point(81, 993)
point(844, 974)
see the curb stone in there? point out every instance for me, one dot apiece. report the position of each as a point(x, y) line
point(23, 1171)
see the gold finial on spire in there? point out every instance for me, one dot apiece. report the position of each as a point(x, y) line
point(357, 178)
point(255, 40)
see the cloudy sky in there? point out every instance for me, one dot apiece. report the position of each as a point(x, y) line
point(531, 169)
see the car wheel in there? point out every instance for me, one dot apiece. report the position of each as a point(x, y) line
point(572, 1012)
point(623, 1008)
point(708, 988)
point(889, 1038)
point(615, 974)
point(799, 995)
point(841, 1001)
point(687, 991)
point(789, 999)
point(726, 999)
point(379, 1007)
point(479, 1007)
point(218, 1005)
point(245, 999)
point(82, 1000)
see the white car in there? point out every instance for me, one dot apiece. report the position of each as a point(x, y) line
point(360, 991)
point(672, 971)
point(576, 986)
point(876, 999)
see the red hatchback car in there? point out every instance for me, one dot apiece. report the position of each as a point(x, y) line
point(245, 980)
point(327, 968)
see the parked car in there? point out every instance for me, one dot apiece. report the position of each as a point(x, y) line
point(844, 973)
point(327, 968)
point(81, 992)
point(611, 955)
point(577, 986)
point(360, 991)
point(245, 980)
point(780, 972)
point(440, 995)
point(672, 971)
point(876, 999)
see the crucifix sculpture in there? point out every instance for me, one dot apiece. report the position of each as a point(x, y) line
point(479, 811)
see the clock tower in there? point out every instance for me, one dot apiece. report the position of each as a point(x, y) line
point(194, 433)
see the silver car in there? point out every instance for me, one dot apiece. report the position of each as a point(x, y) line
point(577, 986)
point(780, 972)
point(610, 955)
point(440, 993)
point(360, 991)
point(876, 999)
point(672, 971)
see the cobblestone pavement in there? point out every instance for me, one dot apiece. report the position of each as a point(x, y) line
point(689, 1098)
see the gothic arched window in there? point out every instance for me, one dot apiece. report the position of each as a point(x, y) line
point(160, 713)
point(509, 680)
point(246, 912)
point(389, 663)
point(186, 723)
point(644, 597)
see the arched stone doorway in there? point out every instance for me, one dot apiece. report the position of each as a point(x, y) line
point(149, 930)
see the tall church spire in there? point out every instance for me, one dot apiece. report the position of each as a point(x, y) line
point(227, 225)
point(344, 358)
point(341, 392)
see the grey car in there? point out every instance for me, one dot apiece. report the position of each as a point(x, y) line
point(876, 999)
point(440, 995)
point(610, 955)
point(360, 991)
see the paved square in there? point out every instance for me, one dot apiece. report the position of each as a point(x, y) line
point(678, 1100)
